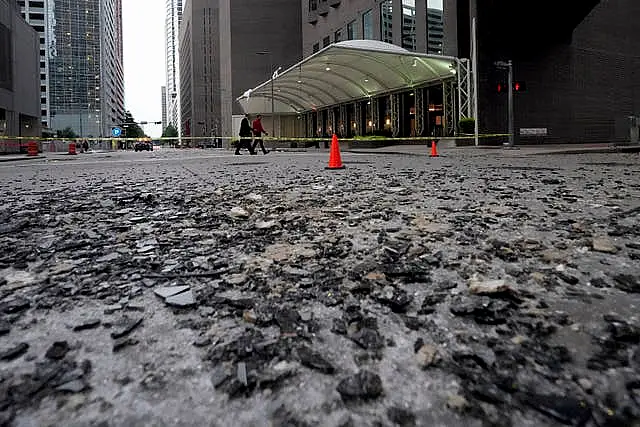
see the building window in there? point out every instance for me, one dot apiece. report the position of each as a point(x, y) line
point(409, 24)
point(352, 30)
point(313, 5)
point(6, 59)
point(326, 41)
point(337, 37)
point(367, 25)
point(435, 28)
point(3, 121)
point(386, 21)
point(316, 47)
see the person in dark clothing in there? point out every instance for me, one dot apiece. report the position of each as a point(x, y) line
point(258, 130)
point(245, 136)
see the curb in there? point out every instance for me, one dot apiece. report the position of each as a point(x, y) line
point(18, 159)
point(621, 149)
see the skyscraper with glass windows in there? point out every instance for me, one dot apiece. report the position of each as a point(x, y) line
point(163, 101)
point(173, 20)
point(435, 31)
point(86, 75)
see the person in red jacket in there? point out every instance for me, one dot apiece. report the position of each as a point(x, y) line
point(258, 130)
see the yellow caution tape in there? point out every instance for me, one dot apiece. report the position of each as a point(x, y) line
point(8, 139)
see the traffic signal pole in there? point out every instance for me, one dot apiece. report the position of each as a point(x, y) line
point(511, 121)
point(474, 45)
point(508, 65)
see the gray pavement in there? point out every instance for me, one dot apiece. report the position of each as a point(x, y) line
point(198, 288)
point(445, 148)
point(448, 147)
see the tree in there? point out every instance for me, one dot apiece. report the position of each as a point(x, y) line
point(67, 132)
point(132, 128)
point(170, 132)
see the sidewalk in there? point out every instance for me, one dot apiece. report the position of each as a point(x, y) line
point(18, 157)
point(448, 148)
point(58, 155)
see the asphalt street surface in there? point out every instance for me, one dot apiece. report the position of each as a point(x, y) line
point(198, 288)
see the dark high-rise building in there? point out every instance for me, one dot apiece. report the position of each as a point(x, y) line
point(19, 78)
point(35, 13)
point(576, 67)
point(227, 47)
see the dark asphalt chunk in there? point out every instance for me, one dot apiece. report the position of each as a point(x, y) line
point(363, 385)
point(125, 326)
point(14, 352)
point(314, 360)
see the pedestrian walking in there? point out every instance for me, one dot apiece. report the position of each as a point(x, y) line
point(245, 136)
point(85, 146)
point(258, 130)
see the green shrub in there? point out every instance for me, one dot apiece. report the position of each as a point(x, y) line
point(467, 125)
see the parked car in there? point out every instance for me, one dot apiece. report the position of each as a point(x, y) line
point(143, 146)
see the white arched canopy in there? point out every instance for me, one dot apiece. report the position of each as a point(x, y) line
point(345, 72)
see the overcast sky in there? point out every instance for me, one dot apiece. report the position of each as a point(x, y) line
point(144, 74)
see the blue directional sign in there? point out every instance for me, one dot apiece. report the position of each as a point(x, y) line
point(116, 132)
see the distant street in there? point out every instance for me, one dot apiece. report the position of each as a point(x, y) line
point(199, 288)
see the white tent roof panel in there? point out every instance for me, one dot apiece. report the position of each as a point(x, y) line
point(344, 72)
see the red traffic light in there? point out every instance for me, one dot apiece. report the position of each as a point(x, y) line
point(517, 87)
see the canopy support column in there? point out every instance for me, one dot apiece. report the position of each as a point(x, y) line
point(331, 119)
point(375, 114)
point(449, 105)
point(465, 99)
point(419, 110)
point(394, 99)
point(343, 125)
point(357, 118)
point(311, 131)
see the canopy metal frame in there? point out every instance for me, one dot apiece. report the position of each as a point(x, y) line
point(356, 70)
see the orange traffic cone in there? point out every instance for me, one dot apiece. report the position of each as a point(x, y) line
point(335, 161)
point(434, 149)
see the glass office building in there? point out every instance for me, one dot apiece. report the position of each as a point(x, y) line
point(86, 76)
point(173, 19)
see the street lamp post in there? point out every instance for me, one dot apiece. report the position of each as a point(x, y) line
point(511, 124)
point(273, 76)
